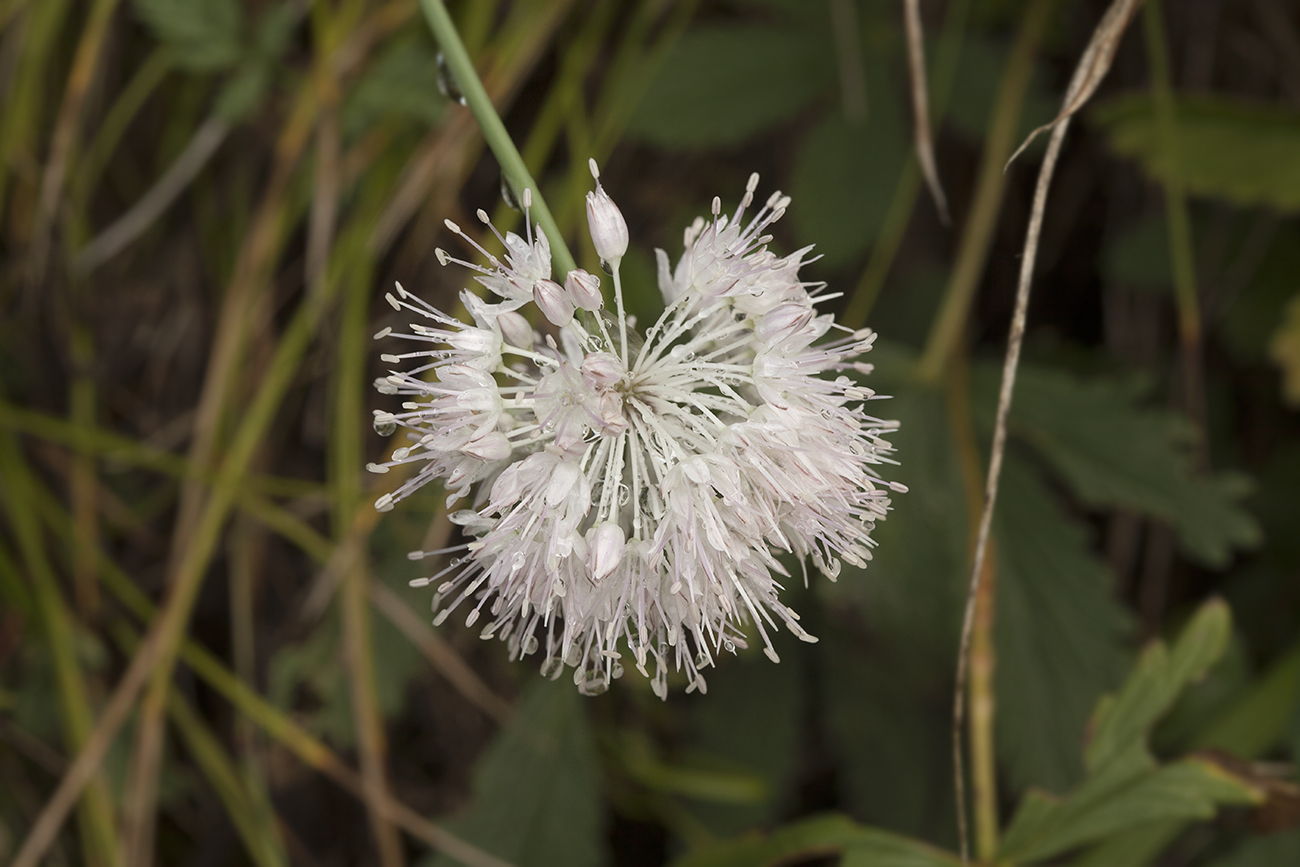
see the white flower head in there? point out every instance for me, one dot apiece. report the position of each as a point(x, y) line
point(635, 495)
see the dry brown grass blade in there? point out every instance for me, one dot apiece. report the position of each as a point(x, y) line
point(65, 132)
point(922, 133)
point(83, 768)
point(1092, 67)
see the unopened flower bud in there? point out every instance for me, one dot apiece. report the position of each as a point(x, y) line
point(584, 289)
point(600, 370)
point(606, 543)
point(515, 329)
point(490, 447)
point(608, 229)
point(554, 302)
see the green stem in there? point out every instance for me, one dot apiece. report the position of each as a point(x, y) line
point(1180, 227)
point(909, 183)
point(977, 236)
point(99, 835)
point(494, 131)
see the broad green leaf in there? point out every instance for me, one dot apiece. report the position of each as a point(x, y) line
point(844, 180)
point(820, 836)
point(1257, 720)
point(1122, 721)
point(885, 710)
point(1111, 804)
point(1114, 452)
point(243, 92)
point(1125, 789)
point(914, 588)
point(205, 35)
point(721, 85)
point(402, 82)
point(1060, 635)
point(1244, 152)
point(1137, 847)
point(537, 787)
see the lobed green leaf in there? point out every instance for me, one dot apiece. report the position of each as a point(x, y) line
point(1114, 452)
point(1244, 152)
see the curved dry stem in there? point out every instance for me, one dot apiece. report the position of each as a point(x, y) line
point(1092, 67)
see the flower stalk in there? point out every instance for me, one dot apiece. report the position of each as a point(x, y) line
point(513, 169)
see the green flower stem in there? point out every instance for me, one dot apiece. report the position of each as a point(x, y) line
point(950, 324)
point(99, 835)
point(903, 203)
point(494, 131)
point(1180, 226)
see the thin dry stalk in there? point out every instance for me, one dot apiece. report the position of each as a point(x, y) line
point(1092, 68)
point(144, 213)
point(84, 767)
point(921, 106)
point(65, 132)
point(983, 662)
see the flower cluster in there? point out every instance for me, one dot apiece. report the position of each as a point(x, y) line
point(632, 490)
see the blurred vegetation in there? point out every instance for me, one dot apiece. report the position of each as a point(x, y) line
point(202, 204)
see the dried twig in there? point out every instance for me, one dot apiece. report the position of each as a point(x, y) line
point(921, 106)
point(1092, 68)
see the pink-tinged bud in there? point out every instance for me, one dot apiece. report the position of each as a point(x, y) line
point(608, 229)
point(785, 321)
point(515, 329)
point(606, 543)
point(491, 447)
point(554, 302)
point(584, 289)
point(600, 370)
